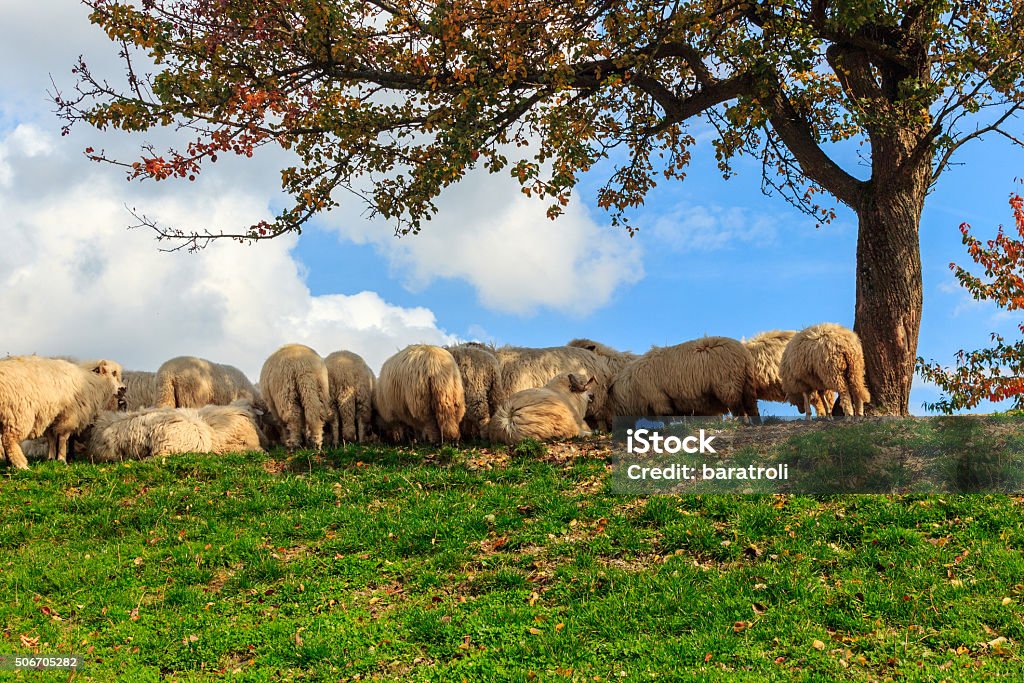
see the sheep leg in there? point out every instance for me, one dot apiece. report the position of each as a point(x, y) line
point(14, 453)
point(62, 448)
point(51, 446)
point(847, 404)
point(807, 405)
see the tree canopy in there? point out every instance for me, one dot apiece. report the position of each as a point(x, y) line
point(395, 99)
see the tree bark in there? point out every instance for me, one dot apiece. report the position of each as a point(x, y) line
point(889, 287)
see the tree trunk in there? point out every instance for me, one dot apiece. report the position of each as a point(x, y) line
point(889, 290)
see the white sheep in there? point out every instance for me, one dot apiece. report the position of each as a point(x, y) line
point(189, 382)
point(140, 389)
point(295, 388)
point(151, 432)
point(555, 411)
point(825, 357)
point(479, 369)
point(351, 397)
point(420, 388)
point(528, 368)
point(52, 398)
point(707, 376)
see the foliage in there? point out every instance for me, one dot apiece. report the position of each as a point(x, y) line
point(995, 373)
point(396, 100)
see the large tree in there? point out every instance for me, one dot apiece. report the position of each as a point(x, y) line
point(395, 99)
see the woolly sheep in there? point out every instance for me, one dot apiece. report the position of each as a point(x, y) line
point(767, 348)
point(189, 382)
point(350, 400)
point(554, 411)
point(707, 376)
point(420, 388)
point(147, 433)
point(825, 357)
point(479, 369)
point(235, 428)
point(527, 368)
point(140, 389)
point(296, 388)
point(52, 398)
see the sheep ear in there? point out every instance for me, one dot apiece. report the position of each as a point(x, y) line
point(101, 368)
point(575, 384)
point(590, 383)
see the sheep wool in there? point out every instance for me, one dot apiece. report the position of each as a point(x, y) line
point(420, 387)
point(706, 376)
point(295, 387)
point(190, 382)
point(52, 398)
point(554, 411)
point(350, 401)
point(527, 368)
point(825, 357)
point(479, 369)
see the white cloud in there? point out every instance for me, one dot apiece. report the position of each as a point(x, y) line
point(76, 282)
point(501, 242)
point(709, 228)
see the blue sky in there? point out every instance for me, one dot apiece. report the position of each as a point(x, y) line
point(712, 256)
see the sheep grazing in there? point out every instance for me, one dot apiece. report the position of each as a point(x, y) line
point(351, 397)
point(296, 390)
point(140, 389)
point(189, 382)
point(52, 398)
point(526, 368)
point(707, 376)
point(479, 369)
point(554, 411)
point(825, 357)
point(420, 388)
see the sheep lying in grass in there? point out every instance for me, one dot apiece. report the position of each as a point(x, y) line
point(554, 411)
point(295, 388)
point(767, 348)
point(350, 398)
point(527, 368)
point(147, 433)
point(420, 388)
point(140, 389)
point(52, 398)
point(479, 369)
point(825, 357)
point(189, 382)
point(707, 376)
point(153, 432)
point(235, 427)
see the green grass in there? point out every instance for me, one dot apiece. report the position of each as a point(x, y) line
point(450, 564)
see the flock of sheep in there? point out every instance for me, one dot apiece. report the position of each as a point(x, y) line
point(423, 393)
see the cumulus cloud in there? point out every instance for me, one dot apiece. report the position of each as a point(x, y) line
point(501, 242)
point(75, 282)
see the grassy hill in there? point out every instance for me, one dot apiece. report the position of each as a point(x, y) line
point(375, 563)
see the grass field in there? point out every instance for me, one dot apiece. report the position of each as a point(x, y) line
point(373, 563)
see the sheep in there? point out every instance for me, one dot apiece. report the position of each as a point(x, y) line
point(767, 348)
point(350, 402)
point(706, 376)
point(141, 389)
point(479, 369)
point(616, 359)
point(554, 411)
point(147, 433)
point(825, 357)
point(235, 427)
point(296, 388)
point(420, 388)
point(189, 382)
point(52, 398)
point(527, 368)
